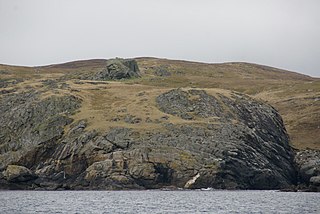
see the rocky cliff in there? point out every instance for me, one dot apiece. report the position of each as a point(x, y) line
point(78, 132)
point(308, 166)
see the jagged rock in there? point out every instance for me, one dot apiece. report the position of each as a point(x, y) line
point(27, 121)
point(15, 173)
point(118, 69)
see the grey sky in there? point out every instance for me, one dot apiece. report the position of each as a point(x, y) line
point(279, 33)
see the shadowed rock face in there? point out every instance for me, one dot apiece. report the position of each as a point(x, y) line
point(244, 145)
point(249, 141)
point(27, 121)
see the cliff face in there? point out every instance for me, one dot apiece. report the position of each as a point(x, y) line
point(220, 139)
point(98, 125)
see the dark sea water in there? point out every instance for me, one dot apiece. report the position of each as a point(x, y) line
point(156, 201)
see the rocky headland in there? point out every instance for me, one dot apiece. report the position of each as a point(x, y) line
point(97, 130)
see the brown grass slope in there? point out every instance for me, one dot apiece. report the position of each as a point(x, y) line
point(295, 96)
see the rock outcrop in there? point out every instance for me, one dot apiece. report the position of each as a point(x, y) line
point(15, 173)
point(117, 69)
point(308, 165)
point(243, 145)
point(114, 69)
point(28, 122)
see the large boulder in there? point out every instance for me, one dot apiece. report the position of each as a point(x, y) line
point(15, 173)
point(117, 69)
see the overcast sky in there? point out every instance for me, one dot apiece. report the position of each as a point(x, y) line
point(279, 33)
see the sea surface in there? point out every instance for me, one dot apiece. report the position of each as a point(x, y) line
point(156, 201)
